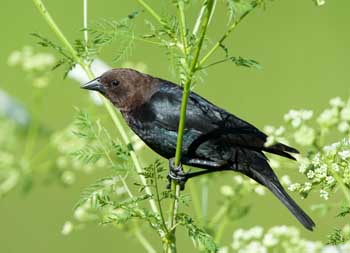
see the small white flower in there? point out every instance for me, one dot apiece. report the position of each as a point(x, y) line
point(67, 228)
point(256, 232)
point(345, 114)
point(310, 174)
point(330, 180)
point(331, 149)
point(223, 250)
point(316, 160)
point(306, 114)
point(330, 249)
point(270, 240)
point(328, 117)
point(345, 154)
point(286, 180)
point(238, 179)
point(305, 136)
point(343, 126)
point(270, 141)
point(279, 131)
point(335, 167)
point(14, 58)
point(320, 2)
point(68, 177)
point(254, 247)
point(269, 129)
point(336, 102)
point(324, 194)
point(227, 190)
point(307, 187)
point(294, 187)
point(260, 190)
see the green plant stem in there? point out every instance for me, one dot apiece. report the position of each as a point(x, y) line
point(195, 199)
point(199, 18)
point(180, 6)
point(226, 34)
point(218, 216)
point(186, 92)
point(158, 201)
point(50, 21)
point(152, 12)
point(343, 187)
point(43, 11)
point(220, 230)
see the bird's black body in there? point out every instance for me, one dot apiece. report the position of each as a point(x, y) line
point(213, 138)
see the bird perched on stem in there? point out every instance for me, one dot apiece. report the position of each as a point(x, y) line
point(214, 139)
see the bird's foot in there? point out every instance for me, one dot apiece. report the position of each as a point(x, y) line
point(177, 174)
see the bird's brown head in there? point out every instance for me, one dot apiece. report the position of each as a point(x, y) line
point(125, 88)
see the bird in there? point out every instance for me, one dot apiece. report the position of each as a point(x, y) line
point(213, 140)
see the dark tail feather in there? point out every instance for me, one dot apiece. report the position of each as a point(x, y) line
point(282, 150)
point(283, 196)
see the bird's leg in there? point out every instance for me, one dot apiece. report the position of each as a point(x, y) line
point(197, 162)
point(177, 174)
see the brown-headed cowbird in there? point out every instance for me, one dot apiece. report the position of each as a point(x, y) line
point(214, 139)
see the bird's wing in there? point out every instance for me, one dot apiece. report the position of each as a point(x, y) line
point(206, 121)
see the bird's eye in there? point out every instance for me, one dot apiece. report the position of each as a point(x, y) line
point(115, 82)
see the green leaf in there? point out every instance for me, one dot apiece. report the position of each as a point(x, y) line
point(96, 189)
point(336, 237)
point(248, 63)
point(88, 154)
point(345, 210)
point(202, 239)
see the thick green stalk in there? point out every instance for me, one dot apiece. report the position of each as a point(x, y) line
point(226, 34)
point(186, 92)
point(343, 187)
point(187, 86)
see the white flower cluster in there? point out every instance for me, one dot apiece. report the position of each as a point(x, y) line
point(304, 135)
point(35, 64)
point(337, 115)
point(275, 135)
point(281, 239)
point(277, 239)
point(326, 169)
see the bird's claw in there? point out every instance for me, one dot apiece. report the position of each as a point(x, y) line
point(177, 174)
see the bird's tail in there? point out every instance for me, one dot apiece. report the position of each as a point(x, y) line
point(255, 165)
point(277, 189)
point(281, 150)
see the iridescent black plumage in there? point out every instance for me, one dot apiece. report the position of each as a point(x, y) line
point(213, 140)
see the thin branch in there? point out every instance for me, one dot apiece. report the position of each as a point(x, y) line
point(186, 92)
point(50, 21)
point(85, 23)
point(227, 33)
point(183, 31)
point(152, 12)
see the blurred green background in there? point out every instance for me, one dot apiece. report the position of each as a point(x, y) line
point(304, 51)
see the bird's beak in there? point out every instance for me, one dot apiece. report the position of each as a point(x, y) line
point(95, 85)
